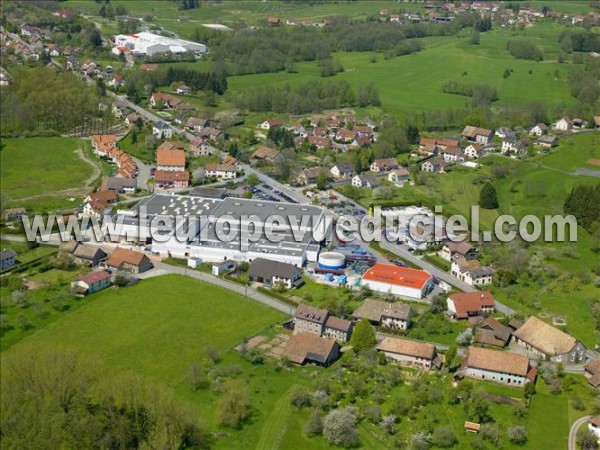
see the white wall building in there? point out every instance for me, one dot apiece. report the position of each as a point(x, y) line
point(150, 44)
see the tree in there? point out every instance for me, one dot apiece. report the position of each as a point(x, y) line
point(586, 439)
point(322, 180)
point(452, 361)
point(338, 427)
point(517, 434)
point(412, 134)
point(388, 423)
point(315, 424)
point(443, 437)
point(300, 397)
point(529, 390)
point(234, 406)
point(196, 378)
point(252, 180)
point(420, 441)
point(363, 336)
point(475, 37)
point(488, 199)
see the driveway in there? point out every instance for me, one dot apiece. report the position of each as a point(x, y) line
point(573, 431)
point(143, 173)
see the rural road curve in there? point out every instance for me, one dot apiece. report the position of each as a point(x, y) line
point(573, 431)
point(162, 269)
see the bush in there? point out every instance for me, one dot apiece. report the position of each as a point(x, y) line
point(338, 427)
point(300, 397)
point(524, 50)
point(517, 434)
point(315, 424)
point(443, 437)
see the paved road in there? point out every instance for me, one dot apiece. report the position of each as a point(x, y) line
point(573, 431)
point(162, 269)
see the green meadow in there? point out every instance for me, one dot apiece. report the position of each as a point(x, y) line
point(42, 167)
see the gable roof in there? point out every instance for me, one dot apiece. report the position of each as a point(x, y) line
point(401, 276)
point(7, 254)
point(88, 252)
point(338, 324)
point(471, 302)
point(265, 153)
point(267, 269)
point(373, 310)
point(461, 247)
point(368, 178)
point(472, 132)
point(94, 277)
point(170, 157)
point(497, 361)
point(311, 313)
point(307, 346)
point(545, 337)
point(123, 255)
point(407, 347)
point(492, 332)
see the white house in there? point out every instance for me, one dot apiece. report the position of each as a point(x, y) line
point(384, 165)
point(564, 124)
point(471, 272)
point(392, 315)
point(474, 151)
point(183, 89)
point(162, 129)
point(92, 282)
point(399, 176)
point(222, 171)
point(452, 154)
point(539, 130)
point(365, 180)
point(343, 171)
point(594, 426)
point(270, 123)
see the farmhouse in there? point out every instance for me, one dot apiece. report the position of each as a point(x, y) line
point(311, 175)
point(384, 165)
point(98, 203)
point(387, 278)
point(592, 372)
point(547, 141)
point(272, 273)
point(170, 159)
point(343, 171)
point(303, 348)
point(477, 135)
point(8, 259)
point(270, 123)
point(167, 179)
point(410, 353)
point(319, 142)
point(501, 367)
point(539, 130)
point(199, 147)
point(398, 176)
point(150, 44)
point(452, 154)
point(221, 171)
point(365, 180)
point(491, 332)
point(437, 164)
point(390, 315)
point(265, 154)
point(546, 341)
point(452, 250)
point(126, 260)
point(88, 255)
point(463, 305)
point(471, 272)
point(91, 282)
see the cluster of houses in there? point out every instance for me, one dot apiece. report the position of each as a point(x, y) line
point(104, 266)
point(464, 264)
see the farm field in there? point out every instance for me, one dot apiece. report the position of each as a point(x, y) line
point(56, 172)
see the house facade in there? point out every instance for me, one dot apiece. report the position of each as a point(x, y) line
point(398, 176)
point(221, 171)
point(274, 272)
point(343, 171)
point(501, 367)
point(92, 282)
point(126, 260)
point(410, 353)
point(396, 316)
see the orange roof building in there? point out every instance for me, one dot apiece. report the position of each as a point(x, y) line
point(404, 281)
point(463, 305)
point(170, 159)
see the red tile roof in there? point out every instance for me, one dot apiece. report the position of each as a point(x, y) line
point(94, 277)
point(471, 302)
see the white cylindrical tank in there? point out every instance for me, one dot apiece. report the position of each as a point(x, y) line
point(332, 260)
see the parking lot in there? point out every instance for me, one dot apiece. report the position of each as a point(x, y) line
point(267, 192)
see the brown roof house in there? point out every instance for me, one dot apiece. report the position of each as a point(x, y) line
point(384, 165)
point(478, 135)
point(391, 315)
point(544, 340)
point(309, 319)
point(592, 372)
point(273, 272)
point(265, 154)
point(129, 261)
point(303, 348)
point(451, 250)
point(338, 329)
point(501, 367)
point(463, 305)
point(410, 353)
point(491, 332)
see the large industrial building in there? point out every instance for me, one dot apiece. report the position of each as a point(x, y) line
point(390, 279)
point(199, 235)
point(150, 44)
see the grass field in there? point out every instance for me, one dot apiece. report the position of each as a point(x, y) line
point(158, 327)
point(40, 171)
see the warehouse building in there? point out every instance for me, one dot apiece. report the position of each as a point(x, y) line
point(390, 279)
point(150, 44)
point(199, 235)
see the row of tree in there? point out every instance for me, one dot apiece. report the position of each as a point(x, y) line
point(524, 50)
point(308, 97)
point(584, 203)
point(579, 41)
point(482, 94)
point(197, 80)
